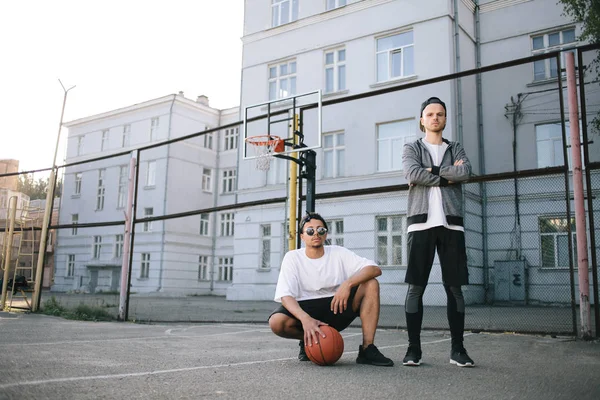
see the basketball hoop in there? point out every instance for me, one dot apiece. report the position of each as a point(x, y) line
point(263, 148)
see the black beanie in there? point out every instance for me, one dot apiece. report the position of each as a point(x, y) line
point(431, 100)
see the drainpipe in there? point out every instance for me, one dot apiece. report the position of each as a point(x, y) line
point(480, 137)
point(459, 134)
point(163, 233)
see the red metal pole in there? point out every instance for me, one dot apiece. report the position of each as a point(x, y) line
point(580, 226)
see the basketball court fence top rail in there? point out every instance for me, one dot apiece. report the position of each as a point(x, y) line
point(512, 63)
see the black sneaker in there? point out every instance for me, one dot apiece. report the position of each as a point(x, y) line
point(460, 358)
point(371, 355)
point(412, 357)
point(302, 354)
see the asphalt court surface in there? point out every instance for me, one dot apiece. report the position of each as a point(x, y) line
point(44, 357)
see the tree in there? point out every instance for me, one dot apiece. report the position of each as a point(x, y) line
point(36, 189)
point(588, 13)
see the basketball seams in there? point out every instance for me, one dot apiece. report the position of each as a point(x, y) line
point(331, 352)
point(323, 357)
point(313, 357)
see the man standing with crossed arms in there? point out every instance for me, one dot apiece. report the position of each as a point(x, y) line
point(434, 168)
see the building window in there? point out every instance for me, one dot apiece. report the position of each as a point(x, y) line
point(265, 233)
point(391, 138)
point(546, 69)
point(118, 246)
point(97, 247)
point(77, 189)
point(335, 233)
point(204, 224)
point(395, 56)
point(154, 128)
point(206, 179)
point(331, 4)
point(125, 139)
point(282, 80)
point(231, 139)
point(79, 145)
point(145, 266)
point(550, 145)
point(202, 268)
point(148, 212)
point(225, 269)
point(228, 182)
point(71, 265)
point(74, 221)
point(101, 190)
point(391, 240)
point(226, 224)
point(335, 70)
point(104, 143)
point(554, 242)
point(122, 190)
point(208, 140)
point(151, 173)
point(333, 155)
point(286, 237)
point(283, 12)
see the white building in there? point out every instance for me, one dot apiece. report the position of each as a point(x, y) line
point(350, 47)
point(185, 255)
point(343, 48)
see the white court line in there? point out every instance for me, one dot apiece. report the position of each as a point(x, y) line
point(167, 335)
point(214, 334)
point(223, 325)
point(172, 330)
point(170, 371)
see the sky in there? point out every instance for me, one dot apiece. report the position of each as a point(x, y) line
point(116, 54)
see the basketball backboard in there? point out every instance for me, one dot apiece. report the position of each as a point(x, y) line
point(297, 120)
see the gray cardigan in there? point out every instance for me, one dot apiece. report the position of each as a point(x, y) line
point(415, 161)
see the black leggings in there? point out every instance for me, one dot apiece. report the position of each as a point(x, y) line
point(414, 299)
point(455, 311)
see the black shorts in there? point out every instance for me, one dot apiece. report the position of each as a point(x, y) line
point(450, 245)
point(321, 309)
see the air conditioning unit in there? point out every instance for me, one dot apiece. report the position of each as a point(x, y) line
point(510, 281)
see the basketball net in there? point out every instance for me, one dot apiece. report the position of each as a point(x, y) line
point(263, 147)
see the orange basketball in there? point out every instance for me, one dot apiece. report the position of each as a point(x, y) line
point(328, 350)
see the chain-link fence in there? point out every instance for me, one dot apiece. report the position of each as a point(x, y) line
point(209, 235)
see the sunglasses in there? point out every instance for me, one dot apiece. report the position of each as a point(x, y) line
point(320, 230)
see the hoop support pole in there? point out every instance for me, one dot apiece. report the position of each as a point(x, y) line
point(293, 195)
point(309, 174)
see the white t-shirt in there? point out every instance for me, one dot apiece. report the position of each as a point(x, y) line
point(306, 278)
point(435, 213)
